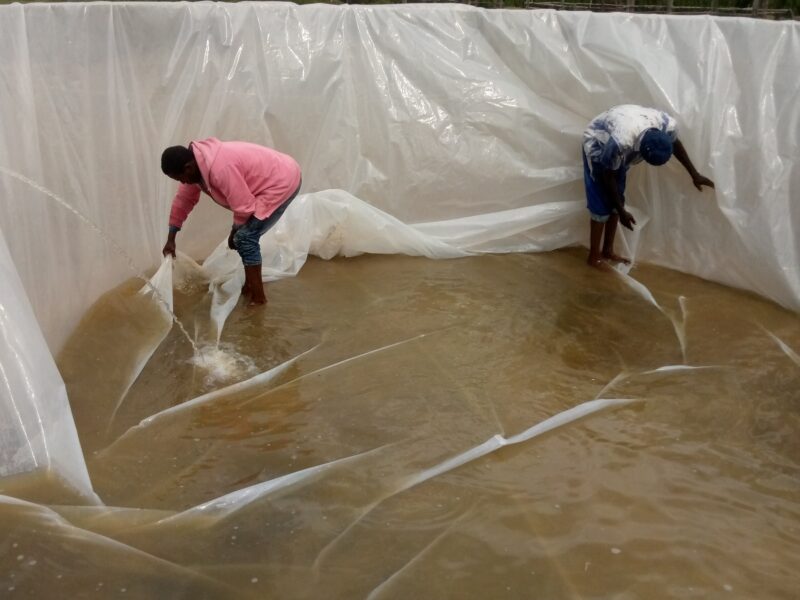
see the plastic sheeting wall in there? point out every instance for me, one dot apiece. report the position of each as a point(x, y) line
point(426, 112)
point(429, 113)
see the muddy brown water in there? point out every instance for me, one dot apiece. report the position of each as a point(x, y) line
point(377, 457)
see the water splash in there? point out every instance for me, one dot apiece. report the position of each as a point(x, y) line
point(221, 363)
point(116, 247)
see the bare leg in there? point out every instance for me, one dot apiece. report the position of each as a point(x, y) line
point(254, 285)
point(608, 241)
point(595, 236)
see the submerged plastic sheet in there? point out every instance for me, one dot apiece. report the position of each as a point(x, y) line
point(414, 423)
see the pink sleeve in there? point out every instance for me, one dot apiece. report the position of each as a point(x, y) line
point(183, 203)
point(240, 199)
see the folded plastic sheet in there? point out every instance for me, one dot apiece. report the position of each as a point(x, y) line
point(37, 431)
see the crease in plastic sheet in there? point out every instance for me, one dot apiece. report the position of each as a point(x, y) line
point(498, 441)
point(787, 350)
point(492, 444)
point(662, 370)
point(678, 325)
point(224, 506)
point(225, 276)
point(157, 290)
point(61, 526)
point(260, 382)
point(388, 583)
point(256, 382)
point(469, 233)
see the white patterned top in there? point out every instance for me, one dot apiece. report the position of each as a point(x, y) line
point(612, 139)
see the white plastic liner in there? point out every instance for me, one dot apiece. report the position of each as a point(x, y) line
point(428, 113)
point(158, 290)
point(37, 432)
point(462, 122)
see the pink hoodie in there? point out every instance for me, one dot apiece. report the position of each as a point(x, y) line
point(245, 178)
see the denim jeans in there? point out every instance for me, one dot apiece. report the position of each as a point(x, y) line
point(247, 237)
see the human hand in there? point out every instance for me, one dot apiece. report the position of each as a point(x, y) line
point(627, 219)
point(169, 248)
point(231, 243)
point(701, 180)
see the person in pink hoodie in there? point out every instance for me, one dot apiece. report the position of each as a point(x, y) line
point(255, 182)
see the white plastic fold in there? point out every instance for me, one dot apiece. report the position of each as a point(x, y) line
point(37, 432)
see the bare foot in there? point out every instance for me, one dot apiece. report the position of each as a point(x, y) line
point(599, 262)
point(595, 260)
point(616, 258)
point(257, 296)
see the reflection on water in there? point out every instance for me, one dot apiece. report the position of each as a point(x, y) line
point(343, 444)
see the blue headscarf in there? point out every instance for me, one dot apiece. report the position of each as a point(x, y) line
point(656, 147)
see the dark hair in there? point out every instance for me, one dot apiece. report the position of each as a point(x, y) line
point(174, 158)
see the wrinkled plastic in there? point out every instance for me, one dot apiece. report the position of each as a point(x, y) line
point(427, 130)
point(428, 113)
point(335, 223)
point(37, 432)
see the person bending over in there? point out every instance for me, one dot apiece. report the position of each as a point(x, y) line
point(255, 182)
point(614, 140)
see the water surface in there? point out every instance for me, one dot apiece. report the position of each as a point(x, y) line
point(377, 456)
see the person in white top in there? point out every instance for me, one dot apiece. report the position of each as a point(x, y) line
point(613, 142)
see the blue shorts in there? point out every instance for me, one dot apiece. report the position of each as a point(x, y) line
point(599, 209)
point(247, 238)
